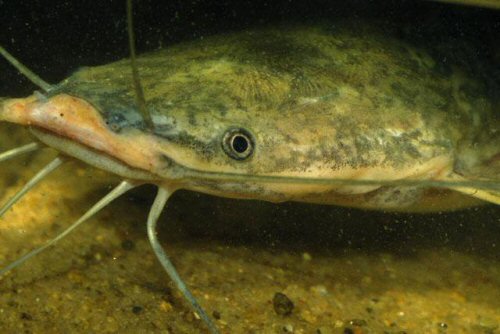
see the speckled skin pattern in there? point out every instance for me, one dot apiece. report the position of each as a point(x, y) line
point(334, 100)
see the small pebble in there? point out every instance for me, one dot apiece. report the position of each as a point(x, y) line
point(443, 325)
point(282, 304)
point(338, 323)
point(137, 309)
point(165, 306)
point(216, 315)
point(320, 290)
point(288, 328)
point(357, 322)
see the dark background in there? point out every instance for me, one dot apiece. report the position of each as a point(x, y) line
point(55, 37)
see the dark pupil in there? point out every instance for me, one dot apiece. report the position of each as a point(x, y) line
point(240, 144)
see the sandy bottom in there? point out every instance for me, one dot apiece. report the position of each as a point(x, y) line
point(345, 271)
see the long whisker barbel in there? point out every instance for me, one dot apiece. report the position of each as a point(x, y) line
point(281, 179)
point(154, 214)
point(18, 151)
point(32, 76)
point(31, 183)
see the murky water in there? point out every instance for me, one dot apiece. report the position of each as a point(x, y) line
point(345, 271)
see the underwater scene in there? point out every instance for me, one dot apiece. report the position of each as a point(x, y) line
point(318, 166)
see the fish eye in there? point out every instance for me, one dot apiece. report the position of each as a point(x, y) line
point(238, 143)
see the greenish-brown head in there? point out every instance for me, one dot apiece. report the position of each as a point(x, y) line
point(244, 103)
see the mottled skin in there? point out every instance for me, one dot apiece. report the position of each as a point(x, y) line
point(331, 101)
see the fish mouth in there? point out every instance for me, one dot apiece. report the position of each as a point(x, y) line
point(91, 156)
point(75, 127)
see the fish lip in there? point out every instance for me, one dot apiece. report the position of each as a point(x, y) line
point(76, 128)
point(90, 155)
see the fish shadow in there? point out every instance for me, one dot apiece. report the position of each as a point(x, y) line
point(326, 229)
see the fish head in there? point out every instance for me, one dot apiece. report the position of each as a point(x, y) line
point(211, 117)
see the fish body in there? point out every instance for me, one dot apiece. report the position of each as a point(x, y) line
point(331, 101)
